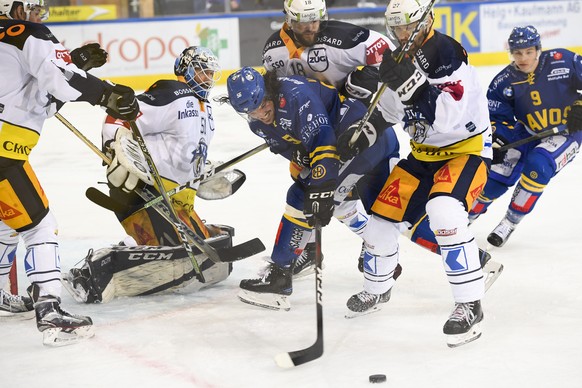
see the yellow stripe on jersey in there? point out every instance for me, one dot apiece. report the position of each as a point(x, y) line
point(296, 221)
point(531, 185)
point(323, 152)
point(16, 142)
point(428, 153)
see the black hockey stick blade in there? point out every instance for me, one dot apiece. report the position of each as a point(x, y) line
point(298, 357)
point(241, 251)
point(105, 201)
point(226, 255)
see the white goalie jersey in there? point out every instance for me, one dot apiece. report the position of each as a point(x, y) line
point(340, 49)
point(177, 128)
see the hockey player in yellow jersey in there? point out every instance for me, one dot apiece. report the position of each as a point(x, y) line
point(38, 76)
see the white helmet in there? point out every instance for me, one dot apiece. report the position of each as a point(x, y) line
point(6, 7)
point(304, 10)
point(402, 12)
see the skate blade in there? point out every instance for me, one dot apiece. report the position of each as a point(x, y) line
point(20, 316)
point(456, 340)
point(492, 271)
point(268, 301)
point(79, 296)
point(56, 337)
point(354, 314)
point(306, 272)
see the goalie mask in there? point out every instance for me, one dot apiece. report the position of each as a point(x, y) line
point(200, 69)
point(33, 6)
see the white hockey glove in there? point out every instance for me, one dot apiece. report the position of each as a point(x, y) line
point(129, 166)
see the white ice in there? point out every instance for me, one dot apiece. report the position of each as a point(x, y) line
point(532, 332)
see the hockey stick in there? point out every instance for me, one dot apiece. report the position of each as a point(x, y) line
point(208, 174)
point(173, 216)
point(298, 357)
point(398, 58)
point(234, 253)
point(538, 136)
point(162, 209)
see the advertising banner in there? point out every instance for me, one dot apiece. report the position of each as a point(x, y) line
point(556, 22)
point(151, 47)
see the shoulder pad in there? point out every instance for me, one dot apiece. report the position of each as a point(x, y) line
point(16, 32)
point(342, 35)
point(441, 55)
point(273, 41)
point(163, 92)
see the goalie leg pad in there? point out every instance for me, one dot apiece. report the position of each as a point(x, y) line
point(144, 270)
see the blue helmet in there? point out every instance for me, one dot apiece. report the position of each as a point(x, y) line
point(196, 60)
point(524, 37)
point(246, 89)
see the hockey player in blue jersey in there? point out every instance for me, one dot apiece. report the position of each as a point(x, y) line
point(301, 120)
point(537, 91)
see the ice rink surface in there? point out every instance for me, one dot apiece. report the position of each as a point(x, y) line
point(532, 332)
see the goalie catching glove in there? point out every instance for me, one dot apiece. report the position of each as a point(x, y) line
point(128, 166)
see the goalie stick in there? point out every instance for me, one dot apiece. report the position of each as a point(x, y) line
point(398, 58)
point(208, 174)
point(227, 255)
point(298, 357)
point(254, 245)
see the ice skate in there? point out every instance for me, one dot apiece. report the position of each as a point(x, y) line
point(305, 263)
point(271, 290)
point(364, 303)
point(78, 283)
point(463, 325)
point(60, 328)
point(491, 269)
point(15, 307)
point(501, 233)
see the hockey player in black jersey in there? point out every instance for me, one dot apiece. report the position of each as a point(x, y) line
point(38, 76)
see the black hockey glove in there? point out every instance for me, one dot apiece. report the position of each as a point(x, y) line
point(89, 56)
point(301, 157)
point(498, 142)
point(404, 78)
point(366, 138)
point(120, 102)
point(574, 120)
point(319, 203)
point(362, 84)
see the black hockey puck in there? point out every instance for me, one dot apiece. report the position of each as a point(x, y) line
point(374, 379)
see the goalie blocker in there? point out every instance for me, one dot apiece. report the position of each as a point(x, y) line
point(121, 270)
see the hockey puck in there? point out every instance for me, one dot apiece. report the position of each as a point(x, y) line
point(374, 379)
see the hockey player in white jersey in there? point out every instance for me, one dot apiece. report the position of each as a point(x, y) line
point(446, 116)
point(38, 76)
point(177, 124)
